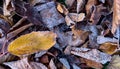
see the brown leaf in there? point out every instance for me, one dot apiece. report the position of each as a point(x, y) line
point(93, 64)
point(116, 17)
point(62, 9)
point(89, 5)
point(8, 7)
point(109, 47)
point(80, 4)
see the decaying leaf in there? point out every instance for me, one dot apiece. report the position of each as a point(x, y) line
point(91, 54)
point(69, 21)
point(93, 64)
point(8, 7)
point(89, 5)
point(116, 17)
point(76, 17)
point(32, 42)
point(50, 15)
point(80, 3)
point(108, 47)
point(114, 63)
point(69, 3)
point(24, 64)
point(62, 9)
point(20, 64)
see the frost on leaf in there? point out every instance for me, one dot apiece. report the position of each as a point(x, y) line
point(91, 54)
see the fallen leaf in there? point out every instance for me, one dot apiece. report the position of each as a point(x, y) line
point(80, 3)
point(69, 3)
point(62, 9)
point(32, 42)
point(69, 21)
point(116, 17)
point(89, 5)
point(8, 7)
point(50, 16)
point(24, 64)
point(20, 64)
point(102, 39)
point(93, 64)
point(76, 17)
point(52, 64)
point(114, 63)
point(91, 54)
point(109, 48)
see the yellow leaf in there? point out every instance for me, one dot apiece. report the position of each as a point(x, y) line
point(32, 42)
point(108, 47)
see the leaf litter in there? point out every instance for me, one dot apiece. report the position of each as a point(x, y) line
point(59, 34)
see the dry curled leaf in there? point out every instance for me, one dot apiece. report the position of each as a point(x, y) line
point(116, 15)
point(79, 5)
point(8, 7)
point(77, 17)
point(108, 47)
point(93, 64)
point(32, 42)
point(69, 3)
point(62, 9)
point(91, 54)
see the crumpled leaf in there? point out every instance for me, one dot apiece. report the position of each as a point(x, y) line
point(89, 5)
point(97, 12)
point(116, 17)
point(76, 17)
point(80, 3)
point(8, 7)
point(114, 63)
point(20, 64)
point(93, 64)
point(50, 15)
point(69, 21)
point(24, 64)
point(26, 10)
point(108, 47)
point(91, 54)
point(62, 9)
point(32, 42)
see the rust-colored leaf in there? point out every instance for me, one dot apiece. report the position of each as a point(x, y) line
point(108, 47)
